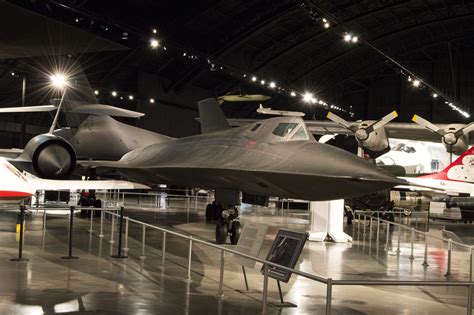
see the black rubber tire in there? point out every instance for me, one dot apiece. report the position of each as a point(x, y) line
point(235, 231)
point(221, 232)
point(209, 212)
point(217, 212)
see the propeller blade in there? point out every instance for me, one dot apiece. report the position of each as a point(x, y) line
point(339, 120)
point(428, 125)
point(382, 122)
point(465, 130)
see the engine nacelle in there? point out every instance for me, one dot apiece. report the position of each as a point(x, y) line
point(460, 145)
point(51, 156)
point(376, 141)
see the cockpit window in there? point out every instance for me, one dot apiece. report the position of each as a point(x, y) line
point(284, 129)
point(300, 134)
point(255, 127)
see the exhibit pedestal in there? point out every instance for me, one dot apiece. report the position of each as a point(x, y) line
point(327, 221)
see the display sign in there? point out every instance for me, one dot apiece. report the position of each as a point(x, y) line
point(250, 242)
point(286, 250)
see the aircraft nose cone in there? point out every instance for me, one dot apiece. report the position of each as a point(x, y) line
point(341, 174)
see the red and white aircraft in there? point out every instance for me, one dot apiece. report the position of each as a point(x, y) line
point(16, 186)
point(457, 178)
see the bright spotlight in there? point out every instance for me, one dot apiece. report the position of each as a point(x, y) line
point(96, 92)
point(254, 78)
point(435, 95)
point(130, 97)
point(325, 20)
point(326, 25)
point(355, 39)
point(262, 82)
point(307, 97)
point(272, 85)
point(293, 94)
point(154, 31)
point(152, 100)
point(347, 37)
point(154, 43)
point(409, 79)
point(114, 94)
point(58, 80)
point(13, 74)
point(416, 83)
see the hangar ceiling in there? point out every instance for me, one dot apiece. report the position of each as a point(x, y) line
point(285, 41)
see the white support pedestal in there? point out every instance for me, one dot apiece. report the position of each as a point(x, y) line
point(327, 220)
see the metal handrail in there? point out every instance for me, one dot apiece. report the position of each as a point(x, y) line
point(302, 273)
point(421, 232)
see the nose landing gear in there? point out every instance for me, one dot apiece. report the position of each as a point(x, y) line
point(227, 223)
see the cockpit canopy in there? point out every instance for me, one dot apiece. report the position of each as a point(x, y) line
point(279, 129)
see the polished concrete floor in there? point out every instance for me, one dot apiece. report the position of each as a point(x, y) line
point(96, 283)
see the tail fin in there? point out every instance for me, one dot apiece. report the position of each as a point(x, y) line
point(211, 116)
point(462, 169)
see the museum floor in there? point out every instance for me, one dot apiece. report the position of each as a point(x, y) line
point(98, 284)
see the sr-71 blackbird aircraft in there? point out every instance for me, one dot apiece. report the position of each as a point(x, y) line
point(273, 157)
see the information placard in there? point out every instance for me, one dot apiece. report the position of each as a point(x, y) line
point(286, 250)
point(250, 243)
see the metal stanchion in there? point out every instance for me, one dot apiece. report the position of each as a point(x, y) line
point(190, 253)
point(365, 218)
point(125, 248)
point(469, 300)
point(388, 234)
point(22, 230)
point(92, 220)
point(44, 219)
point(142, 257)
point(220, 294)
point(265, 288)
point(378, 230)
point(119, 249)
point(328, 296)
point(163, 249)
point(370, 228)
point(470, 262)
point(412, 243)
point(101, 234)
point(399, 235)
point(425, 260)
point(358, 224)
point(71, 224)
point(112, 230)
point(450, 246)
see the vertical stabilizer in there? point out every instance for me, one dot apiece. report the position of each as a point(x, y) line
point(462, 169)
point(211, 116)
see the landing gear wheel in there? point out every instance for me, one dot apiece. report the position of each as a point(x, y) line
point(235, 231)
point(221, 232)
point(209, 212)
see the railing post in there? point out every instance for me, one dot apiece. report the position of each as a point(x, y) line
point(412, 243)
point(190, 253)
point(220, 294)
point(112, 229)
point(425, 259)
point(92, 220)
point(365, 224)
point(470, 263)
point(399, 235)
point(101, 235)
point(265, 288)
point(142, 257)
point(450, 246)
point(378, 230)
point(469, 300)
point(163, 250)
point(358, 224)
point(370, 228)
point(44, 219)
point(328, 296)
point(126, 249)
point(388, 234)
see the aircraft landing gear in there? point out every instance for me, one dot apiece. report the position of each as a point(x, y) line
point(228, 224)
